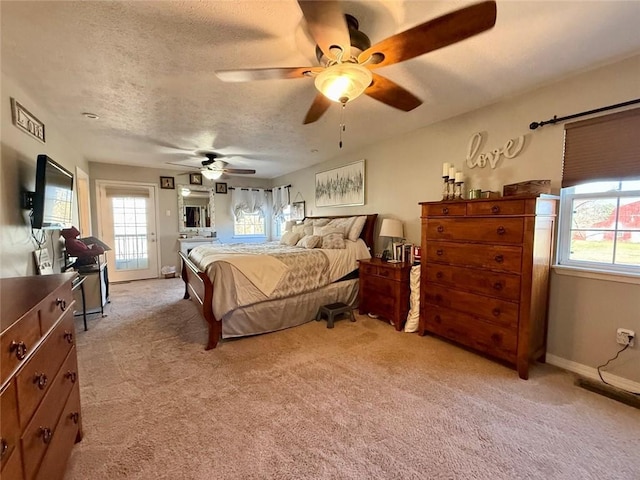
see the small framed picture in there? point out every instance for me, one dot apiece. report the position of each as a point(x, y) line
point(221, 187)
point(167, 182)
point(195, 178)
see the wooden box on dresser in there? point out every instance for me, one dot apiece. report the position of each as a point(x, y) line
point(485, 275)
point(40, 397)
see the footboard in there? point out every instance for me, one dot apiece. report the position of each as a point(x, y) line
point(198, 286)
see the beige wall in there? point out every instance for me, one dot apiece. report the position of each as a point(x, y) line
point(401, 172)
point(18, 173)
point(168, 202)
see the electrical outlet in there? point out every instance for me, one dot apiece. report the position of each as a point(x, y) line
point(624, 336)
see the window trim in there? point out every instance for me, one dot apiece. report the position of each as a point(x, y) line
point(564, 263)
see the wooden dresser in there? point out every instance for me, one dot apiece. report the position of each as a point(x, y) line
point(40, 397)
point(384, 290)
point(484, 278)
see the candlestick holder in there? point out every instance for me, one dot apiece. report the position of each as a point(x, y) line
point(451, 189)
point(445, 187)
point(458, 190)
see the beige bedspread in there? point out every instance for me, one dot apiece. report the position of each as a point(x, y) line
point(238, 282)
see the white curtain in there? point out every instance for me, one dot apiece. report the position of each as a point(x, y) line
point(280, 196)
point(244, 200)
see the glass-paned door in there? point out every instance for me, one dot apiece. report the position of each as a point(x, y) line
point(128, 222)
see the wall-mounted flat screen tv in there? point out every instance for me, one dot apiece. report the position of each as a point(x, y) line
point(53, 198)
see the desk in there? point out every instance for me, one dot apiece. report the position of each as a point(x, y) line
point(186, 244)
point(78, 282)
point(96, 287)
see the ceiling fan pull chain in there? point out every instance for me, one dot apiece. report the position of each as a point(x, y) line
point(342, 125)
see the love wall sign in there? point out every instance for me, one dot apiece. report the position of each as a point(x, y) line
point(510, 149)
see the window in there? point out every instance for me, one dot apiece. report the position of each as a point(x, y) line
point(249, 224)
point(600, 226)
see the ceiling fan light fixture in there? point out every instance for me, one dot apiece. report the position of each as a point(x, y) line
point(211, 174)
point(343, 82)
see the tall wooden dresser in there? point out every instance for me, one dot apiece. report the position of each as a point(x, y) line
point(485, 275)
point(39, 393)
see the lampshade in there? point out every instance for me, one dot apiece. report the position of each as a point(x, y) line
point(185, 192)
point(343, 82)
point(211, 174)
point(391, 228)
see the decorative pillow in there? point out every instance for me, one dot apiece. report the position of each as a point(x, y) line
point(344, 224)
point(288, 225)
point(320, 222)
point(310, 241)
point(308, 230)
point(322, 231)
point(356, 228)
point(333, 241)
point(299, 229)
point(289, 238)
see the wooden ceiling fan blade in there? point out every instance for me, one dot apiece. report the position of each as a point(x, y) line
point(250, 74)
point(239, 171)
point(320, 105)
point(392, 94)
point(327, 25)
point(432, 35)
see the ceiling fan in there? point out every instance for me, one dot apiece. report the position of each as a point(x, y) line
point(213, 168)
point(347, 59)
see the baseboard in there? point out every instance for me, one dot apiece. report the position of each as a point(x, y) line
point(592, 373)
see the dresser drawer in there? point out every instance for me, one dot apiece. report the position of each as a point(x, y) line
point(55, 305)
point(493, 230)
point(35, 379)
point(385, 272)
point(493, 310)
point(492, 207)
point(468, 330)
point(501, 285)
point(446, 209)
point(17, 342)
point(56, 457)
point(10, 429)
point(504, 258)
point(12, 468)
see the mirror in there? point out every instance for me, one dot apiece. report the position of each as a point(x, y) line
point(196, 209)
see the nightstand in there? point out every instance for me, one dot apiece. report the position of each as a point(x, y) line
point(384, 290)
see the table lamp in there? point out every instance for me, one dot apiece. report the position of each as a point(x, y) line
point(392, 229)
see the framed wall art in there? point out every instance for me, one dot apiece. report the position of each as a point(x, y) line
point(221, 187)
point(26, 121)
point(167, 182)
point(195, 178)
point(297, 210)
point(342, 186)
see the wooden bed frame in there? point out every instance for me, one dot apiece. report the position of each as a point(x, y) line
point(198, 286)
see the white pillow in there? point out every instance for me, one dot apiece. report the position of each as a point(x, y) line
point(356, 228)
point(344, 224)
point(322, 231)
point(299, 229)
point(333, 241)
point(289, 238)
point(310, 241)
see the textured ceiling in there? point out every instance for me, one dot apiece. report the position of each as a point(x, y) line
point(147, 69)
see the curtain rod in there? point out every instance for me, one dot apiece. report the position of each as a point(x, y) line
point(257, 189)
point(555, 119)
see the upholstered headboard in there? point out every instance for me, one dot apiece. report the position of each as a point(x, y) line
point(367, 231)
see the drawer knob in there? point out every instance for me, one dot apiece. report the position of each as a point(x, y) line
point(501, 230)
point(439, 252)
point(4, 448)
point(440, 229)
point(497, 286)
point(439, 275)
point(46, 434)
point(74, 416)
point(71, 376)
point(437, 319)
point(438, 297)
point(499, 258)
point(62, 303)
point(20, 348)
point(496, 312)
point(445, 211)
point(384, 273)
point(495, 209)
point(40, 379)
point(68, 336)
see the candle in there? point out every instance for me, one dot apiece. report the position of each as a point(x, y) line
point(458, 177)
point(452, 172)
point(445, 169)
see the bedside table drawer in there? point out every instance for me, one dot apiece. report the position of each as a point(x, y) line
point(386, 272)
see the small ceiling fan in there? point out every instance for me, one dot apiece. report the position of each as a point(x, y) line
point(213, 168)
point(347, 58)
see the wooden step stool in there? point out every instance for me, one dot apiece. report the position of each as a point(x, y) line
point(332, 310)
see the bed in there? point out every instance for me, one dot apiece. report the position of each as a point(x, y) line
point(234, 288)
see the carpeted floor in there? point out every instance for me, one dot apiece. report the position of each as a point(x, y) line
point(360, 401)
